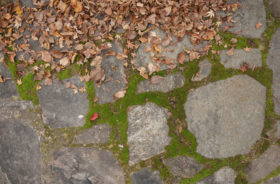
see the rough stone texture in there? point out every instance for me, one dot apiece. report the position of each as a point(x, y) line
point(227, 116)
point(182, 166)
point(147, 131)
point(146, 176)
point(19, 152)
point(171, 51)
point(115, 78)
point(224, 175)
point(7, 88)
point(95, 135)
point(204, 70)
point(168, 83)
point(246, 17)
point(262, 166)
point(274, 132)
point(275, 8)
point(274, 180)
point(85, 166)
point(61, 106)
point(274, 65)
point(4, 178)
point(252, 58)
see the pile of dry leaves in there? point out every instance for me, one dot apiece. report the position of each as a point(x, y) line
point(62, 32)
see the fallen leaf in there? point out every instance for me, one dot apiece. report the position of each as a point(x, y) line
point(156, 79)
point(38, 87)
point(120, 94)
point(64, 61)
point(1, 79)
point(247, 49)
point(181, 58)
point(46, 56)
point(94, 117)
point(62, 6)
point(56, 54)
point(258, 25)
point(230, 52)
point(131, 35)
point(19, 82)
point(233, 40)
point(68, 84)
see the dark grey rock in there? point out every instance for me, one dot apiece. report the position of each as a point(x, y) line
point(182, 166)
point(204, 70)
point(168, 83)
point(19, 152)
point(274, 180)
point(224, 175)
point(4, 178)
point(95, 135)
point(115, 78)
point(247, 17)
point(7, 88)
point(253, 58)
point(147, 131)
point(86, 166)
point(262, 166)
point(226, 117)
point(146, 176)
point(61, 106)
point(275, 8)
point(274, 65)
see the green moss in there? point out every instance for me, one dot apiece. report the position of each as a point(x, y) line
point(69, 71)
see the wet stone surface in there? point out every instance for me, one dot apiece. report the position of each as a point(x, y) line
point(182, 166)
point(262, 166)
point(204, 70)
point(226, 117)
point(146, 176)
point(147, 131)
point(253, 58)
point(85, 165)
point(162, 84)
point(224, 175)
point(61, 106)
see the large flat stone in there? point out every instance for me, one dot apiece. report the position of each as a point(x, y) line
point(7, 88)
point(224, 175)
point(61, 106)
point(247, 17)
point(274, 65)
point(147, 131)
point(19, 152)
point(253, 58)
point(182, 166)
point(275, 8)
point(146, 176)
point(226, 117)
point(262, 166)
point(85, 166)
point(166, 84)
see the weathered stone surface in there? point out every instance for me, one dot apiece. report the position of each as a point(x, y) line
point(204, 70)
point(275, 8)
point(274, 65)
point(171, 51)
point(182, 166)
point(95, 135)
point(168, 83)
point(19, 152)
point(252, 58)
point(61, 106)
point(247, 17)
point(262, 166)
point(4, 178)
point(224, 175)
point(147, 131)
point(115, 78)
point(274, 180)
point(274, 132)
point(146, 176)
point(85, 166)
point(7, 88)
point(227, 116)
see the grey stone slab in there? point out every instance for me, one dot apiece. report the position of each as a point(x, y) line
point(115, 78)
point(224, 175)
point(204, 70)
point(86, 166)
point(7, 88)
point(147, 132)
point(182, 166)
point(275, 8)
point(4, 178)
point(274, 65)
point(262, 166)
point(227, 116)
point(61, 106)
point(146, 176)
point(168, 83)
point(19, 152)
point(252, 58)
point(247, 17)
point(274, 180)
point(95, 135)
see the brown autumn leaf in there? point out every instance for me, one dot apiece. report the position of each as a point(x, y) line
point(156, 79)
point(259, 25)
point(230, 52)
point(46, 56)
point(62, 6)
point(64, 61)
point(233, 40)
point(108, 11)
point(56, 54)
point(247, 49)
point(119, 94)
point(131, 35)
point(181, 58)
point(194, 55)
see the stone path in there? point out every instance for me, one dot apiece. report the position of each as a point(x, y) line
point(211, 121)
